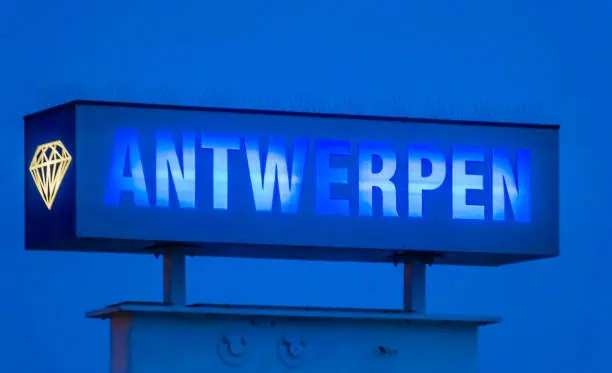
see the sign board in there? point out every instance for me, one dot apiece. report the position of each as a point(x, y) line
point(116, 177)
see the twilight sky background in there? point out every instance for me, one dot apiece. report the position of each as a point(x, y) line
point(535, 61)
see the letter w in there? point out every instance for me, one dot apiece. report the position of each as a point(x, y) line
point(276, 174)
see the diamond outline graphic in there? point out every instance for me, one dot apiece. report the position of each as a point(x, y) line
point(48, 168)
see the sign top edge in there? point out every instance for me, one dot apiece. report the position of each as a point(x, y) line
point(541, 126)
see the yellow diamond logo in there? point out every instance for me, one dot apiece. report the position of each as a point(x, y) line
point(48, 168)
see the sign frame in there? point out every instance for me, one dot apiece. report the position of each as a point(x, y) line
point(59, 231)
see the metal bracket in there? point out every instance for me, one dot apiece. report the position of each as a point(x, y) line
point(414, 256)
point(291, 351)
point(232, 350)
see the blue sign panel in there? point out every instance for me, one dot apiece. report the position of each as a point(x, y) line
point(137, 178)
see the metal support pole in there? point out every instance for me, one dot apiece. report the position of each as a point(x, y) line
point(414, 286)
point(174, 277)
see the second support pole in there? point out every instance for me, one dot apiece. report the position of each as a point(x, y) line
point(174, 277)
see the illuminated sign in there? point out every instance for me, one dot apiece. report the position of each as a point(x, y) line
point(277, 167)
point(48, 167)
point(304, 186)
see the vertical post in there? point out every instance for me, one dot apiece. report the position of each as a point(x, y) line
point(174, 277)
point(414, 286)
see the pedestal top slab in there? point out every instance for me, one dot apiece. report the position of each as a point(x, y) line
point(240, 311)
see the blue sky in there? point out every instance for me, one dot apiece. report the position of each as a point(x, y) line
point(532, 61)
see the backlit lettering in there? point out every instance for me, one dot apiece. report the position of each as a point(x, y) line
point(327, 175)
point(126, 151)
point(369, 180)
point(274, 174)
point(362, 180)
point(516, 185)
point(462, 182)
point(220, 145)
point(418, 181)
point(169, 170)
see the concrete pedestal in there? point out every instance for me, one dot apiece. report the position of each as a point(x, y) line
point(162, 338)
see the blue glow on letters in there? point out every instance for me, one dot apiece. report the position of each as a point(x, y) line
point(327, 175)
point(281, 167)
point(368, 180)
point(126, 144)
point(220, 146)
point(462, 182)
point(517, 187)
point(168, 167)
point(417, 182)
point(276, 173)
